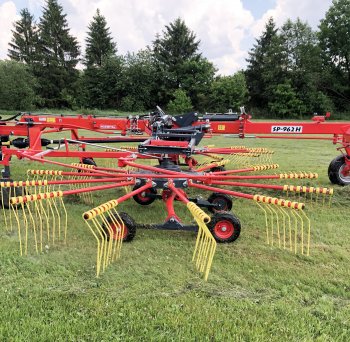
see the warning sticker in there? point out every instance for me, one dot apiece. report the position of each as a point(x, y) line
point(221, 127)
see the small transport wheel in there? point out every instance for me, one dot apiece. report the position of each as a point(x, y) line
point(225, 227)
point(223, 202)
point(335, 170)
point(217, 169)
point(142, 197)
point(129, 227)
point(89, 161)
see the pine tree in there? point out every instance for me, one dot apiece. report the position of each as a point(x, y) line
point(23, 42)
point(103, 73)
point(99, 44)
point(178, 44)
point(265, 65)
point(174, 52)
point(58, 55)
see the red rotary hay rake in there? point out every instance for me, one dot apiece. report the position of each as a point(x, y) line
point(39, 213)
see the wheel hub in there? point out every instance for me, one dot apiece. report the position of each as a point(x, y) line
point(224, 229)
point(344, 173)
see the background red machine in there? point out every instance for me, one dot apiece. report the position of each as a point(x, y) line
point(27, 131)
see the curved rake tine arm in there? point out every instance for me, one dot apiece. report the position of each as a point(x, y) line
point(42, 173)
point(224, 150)
point(311, 189)
point(47, 195)
point(300, 175)
point(179, 194)
point(258, 198)
point(102, 230)
point(51, 212)
point(293, 188)
point(249, 169)
point(224, 191)
point(65, 182)
point(211, 165)
point(149, 184)
point(205, 246)
point(110, 169)
point(98, 173)
point(98, 228)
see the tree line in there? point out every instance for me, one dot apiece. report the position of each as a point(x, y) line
point(291, 70)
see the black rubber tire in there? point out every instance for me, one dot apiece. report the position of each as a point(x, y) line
point(334, 170)
point(217, 169)
point(144, 200)
point(89, 161)
point(129, 226)
point(223, 200)
point(225, 219)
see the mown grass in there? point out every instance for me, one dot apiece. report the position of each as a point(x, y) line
point(255, 292)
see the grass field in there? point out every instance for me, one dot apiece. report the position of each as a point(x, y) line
point(255, 292)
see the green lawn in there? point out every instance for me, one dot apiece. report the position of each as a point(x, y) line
point(255, 292)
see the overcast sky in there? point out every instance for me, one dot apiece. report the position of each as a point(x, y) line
point(226, 28)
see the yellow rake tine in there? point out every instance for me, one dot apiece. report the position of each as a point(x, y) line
point(33, 224)
point(40, 219)
point(210, 259)
point(107, 250)
point(65, 219)
point(109, 241)
point(58, 218)
point(272, 220)
point(3, 205)
point(205, 243)
point(114, 237)
point(203, 254)
point(118, 242)
point(266, 221)
point(46, 219)
point(284, 226)
point(15, 213)
point(330, 200)
point(26, 229)
point(53, 220)
point(102, 243)
point(278, 226)
point(197, 244)
point(308, 233)
point(47, 187)
point(289, 229)
point(301, 231)
point(295, 231)
point(98, 249)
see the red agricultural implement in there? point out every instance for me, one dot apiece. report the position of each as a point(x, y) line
point(181, 169)
point(31, 131)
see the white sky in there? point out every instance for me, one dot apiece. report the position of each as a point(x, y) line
point(226, 28)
